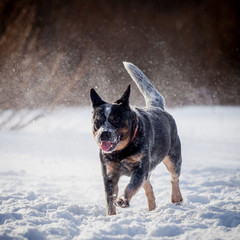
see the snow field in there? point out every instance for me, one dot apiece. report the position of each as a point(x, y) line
point(51, 185)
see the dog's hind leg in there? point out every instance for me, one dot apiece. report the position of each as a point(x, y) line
point(150, 195)
point(176, 194)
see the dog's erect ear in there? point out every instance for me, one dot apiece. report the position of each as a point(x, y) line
point(124, 100)
point(96, 100)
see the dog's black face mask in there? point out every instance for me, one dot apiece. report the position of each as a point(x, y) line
point(111, 122)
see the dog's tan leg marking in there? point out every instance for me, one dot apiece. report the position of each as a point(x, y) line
point(150, 195)
point(176, 194)
point(111, 168)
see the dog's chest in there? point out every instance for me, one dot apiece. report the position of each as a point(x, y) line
point(130, 162)
point(124, 167)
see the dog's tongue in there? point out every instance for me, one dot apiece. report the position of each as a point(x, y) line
point(105, 146)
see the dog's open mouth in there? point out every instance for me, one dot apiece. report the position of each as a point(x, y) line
point(108, 146)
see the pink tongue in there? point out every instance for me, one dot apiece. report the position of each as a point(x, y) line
point(106, 146)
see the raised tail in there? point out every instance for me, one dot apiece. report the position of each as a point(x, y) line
point(152, 96)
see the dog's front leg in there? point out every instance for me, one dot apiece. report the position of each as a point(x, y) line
point(111, 189)
point(135, 183)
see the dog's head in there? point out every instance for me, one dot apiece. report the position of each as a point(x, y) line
point(111, 122)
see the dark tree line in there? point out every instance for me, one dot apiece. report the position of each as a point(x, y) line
point(53, 52)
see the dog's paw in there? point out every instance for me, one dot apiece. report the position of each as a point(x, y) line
point(122, 202)
point(177, 199)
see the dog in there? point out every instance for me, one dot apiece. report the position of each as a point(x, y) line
point(133, 141)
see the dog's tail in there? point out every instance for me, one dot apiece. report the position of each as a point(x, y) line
point(152, 96)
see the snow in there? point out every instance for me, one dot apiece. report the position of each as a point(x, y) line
point(51, 185)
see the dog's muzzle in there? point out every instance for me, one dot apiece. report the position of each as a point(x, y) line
point(108, 141)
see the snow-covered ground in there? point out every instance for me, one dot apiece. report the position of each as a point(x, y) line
point(51, 185)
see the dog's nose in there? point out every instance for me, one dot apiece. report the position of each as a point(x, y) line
point(105, 136)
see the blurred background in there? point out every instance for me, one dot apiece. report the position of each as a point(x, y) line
point(53, 52)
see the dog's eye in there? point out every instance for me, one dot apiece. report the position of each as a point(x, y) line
point(97, 124)
point(114, 120)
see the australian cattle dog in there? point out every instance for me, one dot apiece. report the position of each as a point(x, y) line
point(133, 141)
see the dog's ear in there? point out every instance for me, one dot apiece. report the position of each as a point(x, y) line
point(124, 100)
point(96, 100)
